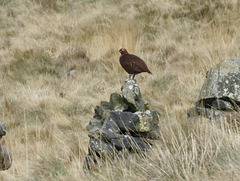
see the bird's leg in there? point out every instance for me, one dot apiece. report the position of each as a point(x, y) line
point(133, 76)
point(129, 76)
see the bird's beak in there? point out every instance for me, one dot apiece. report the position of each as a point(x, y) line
point(120, 51)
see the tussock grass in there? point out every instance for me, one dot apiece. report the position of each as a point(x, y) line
point(46, 110)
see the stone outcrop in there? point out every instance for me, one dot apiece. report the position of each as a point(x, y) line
point(126, 122)
point(220, 91)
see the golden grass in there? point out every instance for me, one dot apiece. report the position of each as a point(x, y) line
point(46, 112)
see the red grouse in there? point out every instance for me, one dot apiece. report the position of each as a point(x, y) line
point(132, 64)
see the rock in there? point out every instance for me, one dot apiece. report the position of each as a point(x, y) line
point(106, 105)
point(138, 121)
point(222, 82)
point(5, 154)
point(220, 104)
point(220, 90)
point(95, 122)
point(148, 119)
point(90, 163)
point(110, 129)
point(2, 130)
point(132, 95)
point(94, 128)
point(131, 143)
point(117, 103)
point(153, 134)
point(94, 132)
point(5, 158)
point(126, 121)
point(100, 147)
point(101, 112)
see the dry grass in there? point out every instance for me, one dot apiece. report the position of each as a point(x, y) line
point(46, 112)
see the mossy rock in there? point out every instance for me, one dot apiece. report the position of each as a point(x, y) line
point(117, 102)
point(132, 95)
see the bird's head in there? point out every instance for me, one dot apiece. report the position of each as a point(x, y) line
point(123, 51)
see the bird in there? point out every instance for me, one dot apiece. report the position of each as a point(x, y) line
point(132, 64)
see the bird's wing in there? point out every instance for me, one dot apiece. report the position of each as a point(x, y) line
point(138, 63)
point(125, 62)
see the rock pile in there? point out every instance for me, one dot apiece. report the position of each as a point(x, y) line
point(126, 122)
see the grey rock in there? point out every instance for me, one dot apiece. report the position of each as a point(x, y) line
point(110, 129)
point(2, 130)
point(100, 147)
point(222, 82)
point(117, 103)
point(126, 121)
point(147, 120)
point(131, 143)
point(94, 128)
point(5, 158)
point(220, 91)
point(101, 112)
point(106, 105)
point(132, 95)
point(95, 122)
point(94, 132)
point(153, 134)
point(220, 104)
point(204, 112)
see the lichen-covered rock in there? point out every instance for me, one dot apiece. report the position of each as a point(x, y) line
point(222, 82)
point(220, 90)
point(101, 112)
point(132, 95)
point(117, 102)
point(147, 120)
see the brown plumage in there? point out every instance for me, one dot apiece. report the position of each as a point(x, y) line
point(132, 64)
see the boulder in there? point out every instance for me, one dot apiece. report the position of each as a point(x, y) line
point(220, 90)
